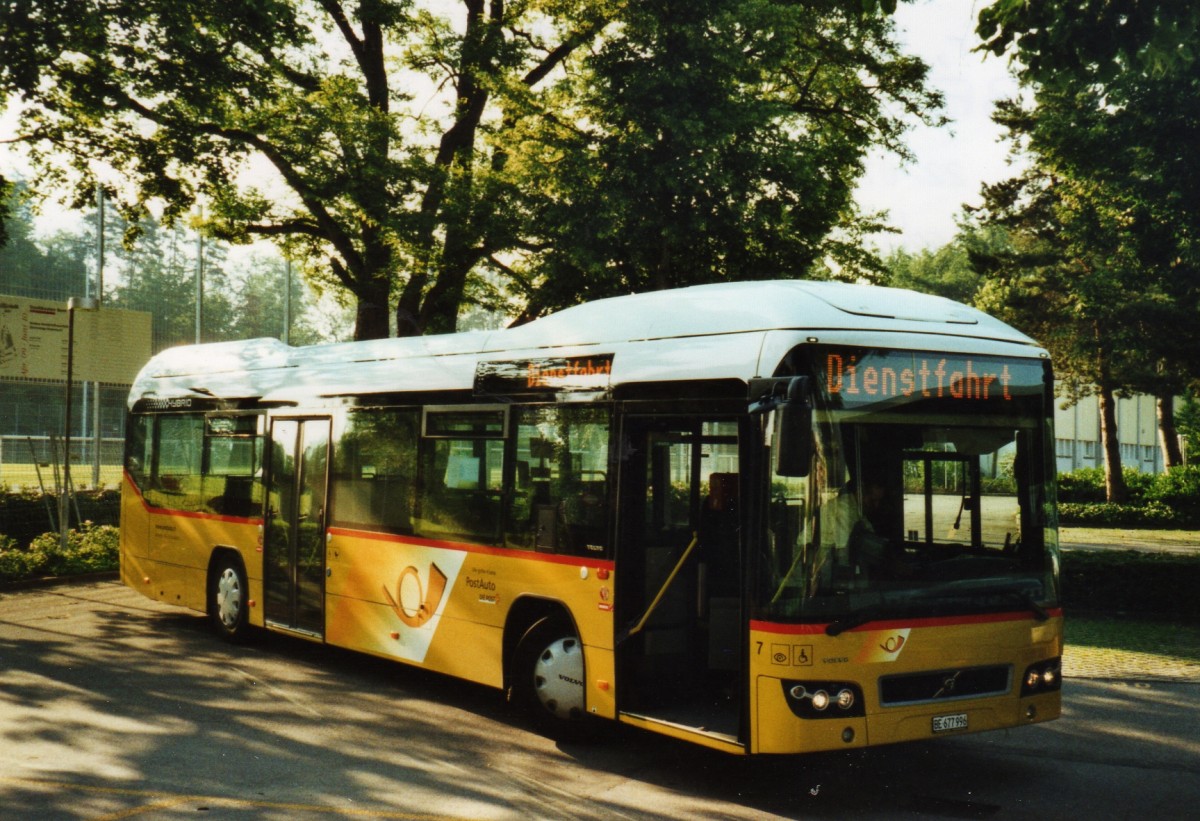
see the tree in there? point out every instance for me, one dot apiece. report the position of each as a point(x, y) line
point(947, 271)
point(410, 147)
point(54, 268)
point(157, 273)
point(1071, 277)
point(1058, 41)
point(1112, 122)
point(258, 303)
point(716, 140)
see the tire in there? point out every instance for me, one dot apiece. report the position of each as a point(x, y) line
point(548, 680)
point(228, 598)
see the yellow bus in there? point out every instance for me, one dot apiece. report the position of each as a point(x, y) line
point(765, 517)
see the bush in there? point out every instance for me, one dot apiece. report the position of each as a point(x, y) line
point(1086, 485)
point(1178, 489)
point(91, 549)
point(16, 563)
point(1106, 514)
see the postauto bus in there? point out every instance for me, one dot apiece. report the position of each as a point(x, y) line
point(765, 517)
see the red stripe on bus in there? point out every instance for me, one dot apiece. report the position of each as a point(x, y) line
point(188, 514)
point(577, 561)
point(895, 624)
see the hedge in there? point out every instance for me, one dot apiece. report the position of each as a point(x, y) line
point(1132, 582)
point(1164, 500)
point(25, 515)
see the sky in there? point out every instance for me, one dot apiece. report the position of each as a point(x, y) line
point(924, 197)
point(952, 162)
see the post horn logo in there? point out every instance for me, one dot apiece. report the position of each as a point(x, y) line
point(893, 644)
point(428, 600)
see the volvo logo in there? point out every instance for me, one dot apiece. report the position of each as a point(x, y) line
point(948, 685)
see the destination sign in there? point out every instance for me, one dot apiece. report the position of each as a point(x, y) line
point(549, 375)
point(857, 377)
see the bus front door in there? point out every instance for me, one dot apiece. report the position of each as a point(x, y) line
point(679, 581)
point(294, 538)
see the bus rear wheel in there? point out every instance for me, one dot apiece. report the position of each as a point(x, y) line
point(547, 681)
point(228, 598)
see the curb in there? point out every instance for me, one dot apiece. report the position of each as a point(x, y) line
point(56, 581)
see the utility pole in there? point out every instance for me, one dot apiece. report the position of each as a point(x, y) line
point(199, 278)
point(96, 432)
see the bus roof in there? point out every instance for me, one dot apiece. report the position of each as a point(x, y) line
point(700, 332)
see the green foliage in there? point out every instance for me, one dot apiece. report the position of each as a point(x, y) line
point(17, 563)
point(716, 140)
point(23, 515)
point(1179, 489)
point(1104, 222)
point(572, 148)
point(1108, 514)
point(1059, 39)
point(1102, 264)
point(49, 269)
point(950, 270)
point(1170, 499)
point(90, 549)
point(1087, 485)
point(1082, 486)
point(1187, 419)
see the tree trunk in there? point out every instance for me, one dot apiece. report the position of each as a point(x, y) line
point(371, 319)
point(1168, 436)
point(1114, 479)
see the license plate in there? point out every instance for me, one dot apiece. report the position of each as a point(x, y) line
point(957, 721)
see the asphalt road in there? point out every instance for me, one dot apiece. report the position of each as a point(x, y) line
point(114, 707)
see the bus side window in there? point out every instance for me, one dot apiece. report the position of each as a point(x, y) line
point(175, 480)
point(558, 499)
point(138, 453)
point(461, 474)
point(232, 483)
point(374, 470)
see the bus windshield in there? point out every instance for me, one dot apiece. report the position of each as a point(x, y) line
point(930, 492)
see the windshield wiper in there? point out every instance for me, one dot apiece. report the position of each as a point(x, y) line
point(966, 589)
point(1019, 589)
point(857, 618)
point(1026, 598)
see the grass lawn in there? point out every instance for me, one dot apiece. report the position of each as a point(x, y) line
point(24, 476)
point(1136, 635)
point(1126, 537)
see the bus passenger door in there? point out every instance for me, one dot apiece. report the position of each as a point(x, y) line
point(294, 537)
point(680, 641)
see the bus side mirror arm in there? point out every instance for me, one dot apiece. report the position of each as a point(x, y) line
point(793, 446)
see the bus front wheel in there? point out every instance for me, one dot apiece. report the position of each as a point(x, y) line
point(228, 598)
point(548, 679)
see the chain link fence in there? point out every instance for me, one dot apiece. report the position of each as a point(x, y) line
point(36, 463)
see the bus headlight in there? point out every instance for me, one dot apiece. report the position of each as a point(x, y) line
point(1043, 677)
point(824, 699)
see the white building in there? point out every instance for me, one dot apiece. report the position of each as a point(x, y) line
point(1077, 435)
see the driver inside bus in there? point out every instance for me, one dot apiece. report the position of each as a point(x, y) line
point(855, 522)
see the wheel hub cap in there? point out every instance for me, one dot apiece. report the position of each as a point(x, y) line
point(558, 678)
